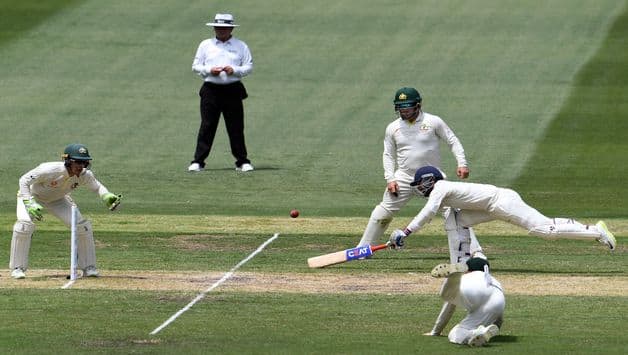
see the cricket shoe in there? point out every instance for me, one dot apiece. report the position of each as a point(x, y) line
point(91, 271)
point(245, 167)
point(18, 273)
point(444, 270)
point(195, 167)
point(482, 335)
point(607, 237)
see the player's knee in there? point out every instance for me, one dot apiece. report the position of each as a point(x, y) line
point(381, 215)
point(84, 227)
point(457, 335)
point(25, 227)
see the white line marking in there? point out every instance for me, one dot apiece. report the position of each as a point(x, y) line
point(70, 283)
point(216, 284)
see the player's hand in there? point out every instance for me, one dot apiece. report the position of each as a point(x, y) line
point(111, 200)
point(228, 69)
point(393, 188)
point(34, 209)
point(215, 71)
point(397, 239)
point(462, 172)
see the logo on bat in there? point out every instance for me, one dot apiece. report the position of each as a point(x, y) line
point(359, 252)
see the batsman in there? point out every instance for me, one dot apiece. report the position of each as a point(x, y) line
point(48, 187)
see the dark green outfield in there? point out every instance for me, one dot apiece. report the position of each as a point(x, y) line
point(579, 167)
point(116, 76)
point(17, 17)
point(535, 89)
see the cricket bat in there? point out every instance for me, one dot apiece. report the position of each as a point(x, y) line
point(344, 256)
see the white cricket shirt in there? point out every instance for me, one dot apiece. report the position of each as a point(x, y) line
point(409, 146)
point(213, 52)
point(51, 181)
point(462, 195)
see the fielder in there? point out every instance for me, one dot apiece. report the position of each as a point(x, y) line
point(49, 186)
point(471, 286)
point(463, 245)
point(479, 203)
point(411, 141)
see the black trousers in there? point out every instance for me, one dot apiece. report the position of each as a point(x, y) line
point(225, 100)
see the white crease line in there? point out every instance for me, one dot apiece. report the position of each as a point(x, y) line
point(216, 284)
point(68, 284)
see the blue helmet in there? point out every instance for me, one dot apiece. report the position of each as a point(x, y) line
point(425, 178)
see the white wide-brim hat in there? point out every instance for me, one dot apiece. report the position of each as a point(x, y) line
point(223, 20)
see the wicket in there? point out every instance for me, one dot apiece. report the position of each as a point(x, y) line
point(73, 244)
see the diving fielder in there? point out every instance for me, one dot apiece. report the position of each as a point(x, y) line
point(411, 141)
point(470, 285)
point(49, 186)
point(479, 203)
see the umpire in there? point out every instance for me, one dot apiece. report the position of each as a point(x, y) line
point(222, 62)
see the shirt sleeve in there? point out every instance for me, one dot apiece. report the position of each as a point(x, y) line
point(390, 155)
point(246, 63)
point(199, 58)
point(90, 182)
point(26, 181)
point(429, 210)
point(450, 291)
point(449, 137)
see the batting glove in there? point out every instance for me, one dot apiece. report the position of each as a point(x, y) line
point(397, 239)
point(34, 209)
point(111, 200)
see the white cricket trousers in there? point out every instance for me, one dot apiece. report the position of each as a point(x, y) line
point(485, 304)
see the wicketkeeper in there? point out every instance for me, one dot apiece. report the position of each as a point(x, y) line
point(49, 186)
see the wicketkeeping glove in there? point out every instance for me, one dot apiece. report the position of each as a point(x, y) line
point(397, 239)
point(34, 209)
point(111, 200)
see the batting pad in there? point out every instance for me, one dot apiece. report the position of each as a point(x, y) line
point(86, 249)
point(571, 230)
point(376, 226)
point(21, 244)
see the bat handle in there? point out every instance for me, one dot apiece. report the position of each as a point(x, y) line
point(380, 246)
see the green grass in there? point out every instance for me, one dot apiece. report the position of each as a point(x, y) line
point(264, 323)
point(117, 78)
point(18, 17)
point(534, 89)
point(119, 321)
point(577, 168)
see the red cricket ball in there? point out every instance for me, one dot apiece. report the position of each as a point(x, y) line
point(294, 213)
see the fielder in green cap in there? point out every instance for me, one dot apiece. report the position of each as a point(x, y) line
point(411, 141)
point(48, 187)
point(471, 286)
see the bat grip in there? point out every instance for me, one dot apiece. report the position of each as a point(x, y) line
point(380, 246)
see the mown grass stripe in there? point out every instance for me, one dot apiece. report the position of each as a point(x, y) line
point(575, 165)
point(19, 16)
